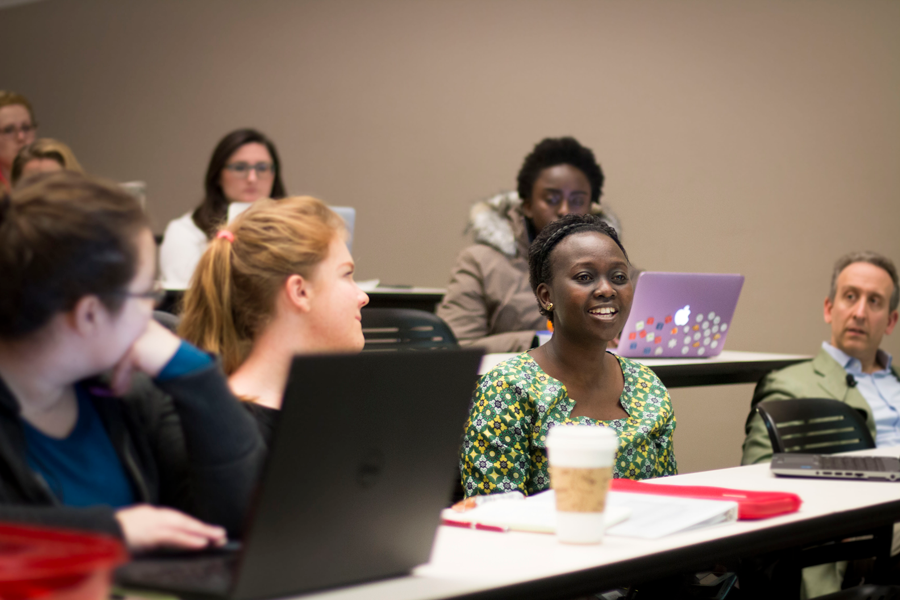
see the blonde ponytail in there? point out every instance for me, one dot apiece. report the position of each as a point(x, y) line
point(207, 321)
point(232, 294)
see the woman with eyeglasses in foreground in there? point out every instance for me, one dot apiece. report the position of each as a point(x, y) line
point(108, 421)
point(244, 167)
point(579, 272)
point(276, 282)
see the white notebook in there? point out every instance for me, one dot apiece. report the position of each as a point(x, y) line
point(658, 516)
point(629, 515)
point(536, 514)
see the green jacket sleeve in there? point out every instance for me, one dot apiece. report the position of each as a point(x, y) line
point(495, 453)
point(666, 441)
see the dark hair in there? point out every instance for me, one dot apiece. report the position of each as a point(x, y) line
point(64, 236)
point(873, 258)
point(212, 212)
point(551, 152)
point(550, 236)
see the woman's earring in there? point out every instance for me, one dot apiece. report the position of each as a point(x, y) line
point(549, 307)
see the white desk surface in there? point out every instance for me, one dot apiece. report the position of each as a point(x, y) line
point(727, 356)
point(465, 561)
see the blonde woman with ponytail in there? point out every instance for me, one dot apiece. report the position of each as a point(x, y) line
point(277, 281)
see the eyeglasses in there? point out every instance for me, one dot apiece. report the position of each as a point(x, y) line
point(242, 169)
point(576, 202)
point(157, 294)
point(13, 130)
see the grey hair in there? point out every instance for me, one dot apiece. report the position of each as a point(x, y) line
point(873, 258)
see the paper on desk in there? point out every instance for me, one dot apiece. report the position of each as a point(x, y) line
point(658, 516)
point(536, 514)
point(628, 515)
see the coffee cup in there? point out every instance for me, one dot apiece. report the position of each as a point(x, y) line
point(581, 464)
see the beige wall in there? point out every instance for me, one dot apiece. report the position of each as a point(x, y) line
point(756, 137)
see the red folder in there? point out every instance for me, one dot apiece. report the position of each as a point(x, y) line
point(751, 505)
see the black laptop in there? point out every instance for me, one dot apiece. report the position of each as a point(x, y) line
point(361, 465)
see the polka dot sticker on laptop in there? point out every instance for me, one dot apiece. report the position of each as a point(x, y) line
point(680, 315)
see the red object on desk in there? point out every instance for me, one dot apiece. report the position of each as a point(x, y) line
point(36, 562)
point(751, 504)
point(474, 525)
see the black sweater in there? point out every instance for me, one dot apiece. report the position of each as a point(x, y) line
point(185, 443)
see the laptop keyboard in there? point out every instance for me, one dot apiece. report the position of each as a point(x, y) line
point(853, 463)
point(207, 574)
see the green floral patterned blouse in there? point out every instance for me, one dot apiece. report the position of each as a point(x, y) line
point(516, 403)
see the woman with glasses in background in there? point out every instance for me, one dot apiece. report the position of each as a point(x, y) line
point(489, 303)
point(244, 167)
point(17, 130)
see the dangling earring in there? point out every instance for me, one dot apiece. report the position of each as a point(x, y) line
point(549, 307)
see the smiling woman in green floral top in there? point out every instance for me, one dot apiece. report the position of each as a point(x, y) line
point(579, 272)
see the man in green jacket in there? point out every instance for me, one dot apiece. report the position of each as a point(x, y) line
point(861, 309)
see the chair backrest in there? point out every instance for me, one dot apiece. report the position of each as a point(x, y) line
point(167, 320)
point(814, 426)
point(405, 329)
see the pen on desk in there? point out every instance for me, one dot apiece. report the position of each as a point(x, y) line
point(476, 501)
point(476, 526)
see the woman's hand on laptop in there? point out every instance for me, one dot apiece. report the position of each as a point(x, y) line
point(146, 527)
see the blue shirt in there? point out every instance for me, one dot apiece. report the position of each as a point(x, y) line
point(187, 359)
point(84, 469)
point(881, 391)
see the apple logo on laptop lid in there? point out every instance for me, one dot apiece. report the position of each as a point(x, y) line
point(682, 315)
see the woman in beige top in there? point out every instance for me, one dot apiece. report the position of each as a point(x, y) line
point(489, 302)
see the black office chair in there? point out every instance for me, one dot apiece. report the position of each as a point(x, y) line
point(167, 320)
point(172, 302)
point(814, 426)
point(405, 329)
point(823, 426)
